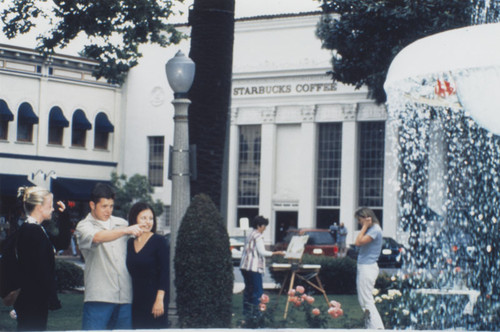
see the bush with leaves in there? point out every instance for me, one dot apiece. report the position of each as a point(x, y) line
point(203, 268)
point(338, 275)
point(69, 275)
point(132, 190)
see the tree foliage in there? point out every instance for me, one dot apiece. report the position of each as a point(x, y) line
point(132, 190)
point(203, 268)
point(366, 35)
point(114, 29)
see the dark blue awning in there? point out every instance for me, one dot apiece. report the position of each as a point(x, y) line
point(9, 183)
point(26, 114)
point(80, 121)
point(5, 113)
point(102, 123)
point(73, 189)
point(56, 117)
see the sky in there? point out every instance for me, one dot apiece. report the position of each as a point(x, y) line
point(244, 8)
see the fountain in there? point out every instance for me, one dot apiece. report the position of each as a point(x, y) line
point(444, 103)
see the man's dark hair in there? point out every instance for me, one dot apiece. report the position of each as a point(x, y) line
point(259, 221)
point(102, 190)
point(138, 208)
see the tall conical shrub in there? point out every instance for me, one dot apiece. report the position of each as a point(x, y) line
point(203, 268)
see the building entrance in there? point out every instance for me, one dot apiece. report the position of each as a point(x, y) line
point(285, 220)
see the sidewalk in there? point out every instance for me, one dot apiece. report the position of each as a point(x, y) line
point(237, 287)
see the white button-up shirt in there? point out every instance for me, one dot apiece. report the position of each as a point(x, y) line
point(106, 275)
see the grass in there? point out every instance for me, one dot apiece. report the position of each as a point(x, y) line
point(69, 317)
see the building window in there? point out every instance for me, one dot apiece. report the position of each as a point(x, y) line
point(5, 117)
point(328, 174)
point(156, 160)
point(329, 164)
point(103, 127)
point(25, 121)
point(249, 165)
point(4, 129)
point(80, 125)
point(57, 123)
point(371, 164)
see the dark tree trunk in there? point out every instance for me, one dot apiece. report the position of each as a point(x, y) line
point(212, 35)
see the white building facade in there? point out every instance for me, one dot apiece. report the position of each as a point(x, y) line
point(58, 125)
point(304, 151)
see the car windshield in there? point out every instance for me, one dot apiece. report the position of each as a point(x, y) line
point(320, 238)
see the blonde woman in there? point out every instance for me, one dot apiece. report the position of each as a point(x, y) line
point(369, 241)
point(36, 261)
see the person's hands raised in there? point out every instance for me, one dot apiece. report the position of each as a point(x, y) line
point(135, 230)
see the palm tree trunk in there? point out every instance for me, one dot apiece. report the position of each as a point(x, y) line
point(212, 35)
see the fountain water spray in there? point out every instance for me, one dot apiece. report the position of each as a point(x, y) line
point(444, 103)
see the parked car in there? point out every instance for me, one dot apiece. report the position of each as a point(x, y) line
point(391, 254)
point(320, 241)
point(236, 244)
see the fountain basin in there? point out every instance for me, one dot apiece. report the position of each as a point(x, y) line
point(463, 65)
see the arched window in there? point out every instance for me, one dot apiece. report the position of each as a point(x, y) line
point(26, 118)
point(102, 129)
point(57, 123)
point(5, 117)
point(79, 128)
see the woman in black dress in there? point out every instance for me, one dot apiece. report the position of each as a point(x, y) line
point(148, 263)
point(35, 252)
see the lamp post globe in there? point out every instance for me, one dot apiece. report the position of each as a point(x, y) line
point(180, 72)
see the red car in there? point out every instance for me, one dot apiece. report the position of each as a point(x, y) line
point(320, 241)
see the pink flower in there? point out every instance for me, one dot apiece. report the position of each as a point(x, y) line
point(292, 298)
point(264, 298)
point(334, 304)
point(304, 296)
point(310, 299)
point(335, 312)
point(262, 307)
point(297, 303)
point(291, 292)
point(300, 289)
point(316, 312)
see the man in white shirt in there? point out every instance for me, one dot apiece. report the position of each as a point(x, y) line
point(102, 239)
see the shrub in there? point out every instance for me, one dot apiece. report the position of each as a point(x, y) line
point(338, 275)
point(69, 275)
point(203, 268)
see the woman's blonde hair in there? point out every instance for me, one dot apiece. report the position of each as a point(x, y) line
point(365, 212)
point(31, 197)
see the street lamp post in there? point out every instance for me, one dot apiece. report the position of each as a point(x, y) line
point(180, 74)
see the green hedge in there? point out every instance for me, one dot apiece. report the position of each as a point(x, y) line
point(203, 268)
point(69, 275)
point(338, 275)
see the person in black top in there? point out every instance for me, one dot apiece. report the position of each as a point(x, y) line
point(35, 252)
point(148, 257)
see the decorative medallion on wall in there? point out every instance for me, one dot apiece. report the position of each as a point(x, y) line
point(268, 115)
point(308, 113)
point(157, 96)
point(350, 111)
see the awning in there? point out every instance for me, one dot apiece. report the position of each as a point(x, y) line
point(80, 121)
point(56, 117)
point(102, 123)
point(5, 113)
point(73, 189)
point(26, 114)
point(9, 183)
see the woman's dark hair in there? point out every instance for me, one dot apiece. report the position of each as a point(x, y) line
point(365, 212)
point(138, 208)
point(259, 221)
point(102, 190)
